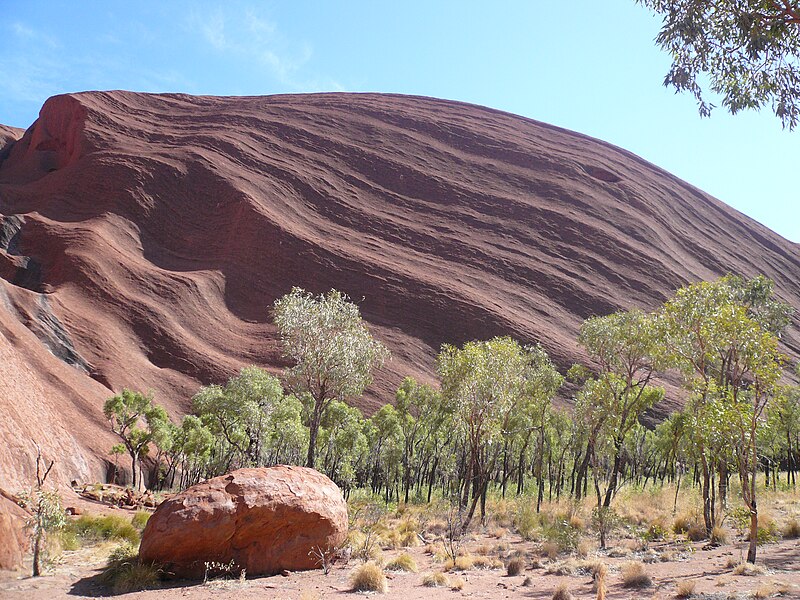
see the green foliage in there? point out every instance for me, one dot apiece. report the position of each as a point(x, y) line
point(332, 351)
point(105, 527)
point(239, 416)
point(126, 413)
point(139, 519)
point(747, 49)
point(125, 573)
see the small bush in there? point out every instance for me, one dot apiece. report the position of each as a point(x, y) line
point(563, 534)
point(682, 523)
point(748, 569)
point(685, 588)
point(125, 573)
point(68, 539)
point(484, 562)
point(550, 550)
point(368, 578)
point(791, 531)
point(526, 520)
point(634, 575)
point(404, 562)
point(719, 536)
point(765, 590)
point(696, 532)
point(562, 593)
point(656, 531)
point(456, 584)
point(462, 563)
point(437, 579)
point(767, 530)
point(107, 527)
point(515, 566)
point(139, 519)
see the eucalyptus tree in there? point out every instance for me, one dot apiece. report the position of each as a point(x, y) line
point(785, 420)
point(420, 413)
point(332, 351)
point(627, 349)
point(136, 420)
point(487, 382)
point(342, 443)
point(723, 336)
point(747, 51)
point(238, 414)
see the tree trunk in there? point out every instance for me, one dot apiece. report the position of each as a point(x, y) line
point(313, 431)
point(751, 550)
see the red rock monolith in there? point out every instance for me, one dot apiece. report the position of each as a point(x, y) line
point(264, 520)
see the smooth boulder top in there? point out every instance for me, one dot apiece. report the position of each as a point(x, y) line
point(262, 520)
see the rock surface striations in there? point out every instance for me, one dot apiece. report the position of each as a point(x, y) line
point(145, 237)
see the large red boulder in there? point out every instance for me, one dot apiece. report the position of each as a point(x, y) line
point(14, 540)
point(265, 520)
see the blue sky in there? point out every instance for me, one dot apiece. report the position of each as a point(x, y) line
point(585, 65)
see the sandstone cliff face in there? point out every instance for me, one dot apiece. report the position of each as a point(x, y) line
point(145, 237)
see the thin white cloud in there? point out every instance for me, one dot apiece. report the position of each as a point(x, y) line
point(245, 35)
point(29, 34)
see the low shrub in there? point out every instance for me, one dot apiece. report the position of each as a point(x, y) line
point(404, 562)
point(515, 566)
point(562, 593)
point(634, 575)
point(437, 579)
point(368, 578)
point(125, 573)
point(719, 536)
point(748, 569)
point(685, 588)
point(791, 530)
point(139, 519)
point(456, 584)
point(696, 532)
point(107, 527)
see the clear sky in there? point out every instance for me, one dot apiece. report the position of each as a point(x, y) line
point(587, 65)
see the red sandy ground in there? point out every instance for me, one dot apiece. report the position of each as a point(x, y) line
point(74, 578)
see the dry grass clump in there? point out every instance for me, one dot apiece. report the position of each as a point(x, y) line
point(436, 527)
point(107, 527)
point(368, 578)
point(791, 531)
point(585, 546)
point(685, 588)
point(562, 593)
point(747, 569)
point(634, 575)
point(562, 568)
point(437, 579)
point(125, 573)
point(404, 562)
point(484, 562)
point(696, 532)
point(462, 563)
point(483, 550)
point(765, 590)
point(498, 532)
point(577, 522)
point(550, 550)
point(719, 536)
point(140, 519)
point(456, 584)
point(682, 523)
point(515, 566)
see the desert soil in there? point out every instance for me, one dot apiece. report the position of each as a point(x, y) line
point(75, 576)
